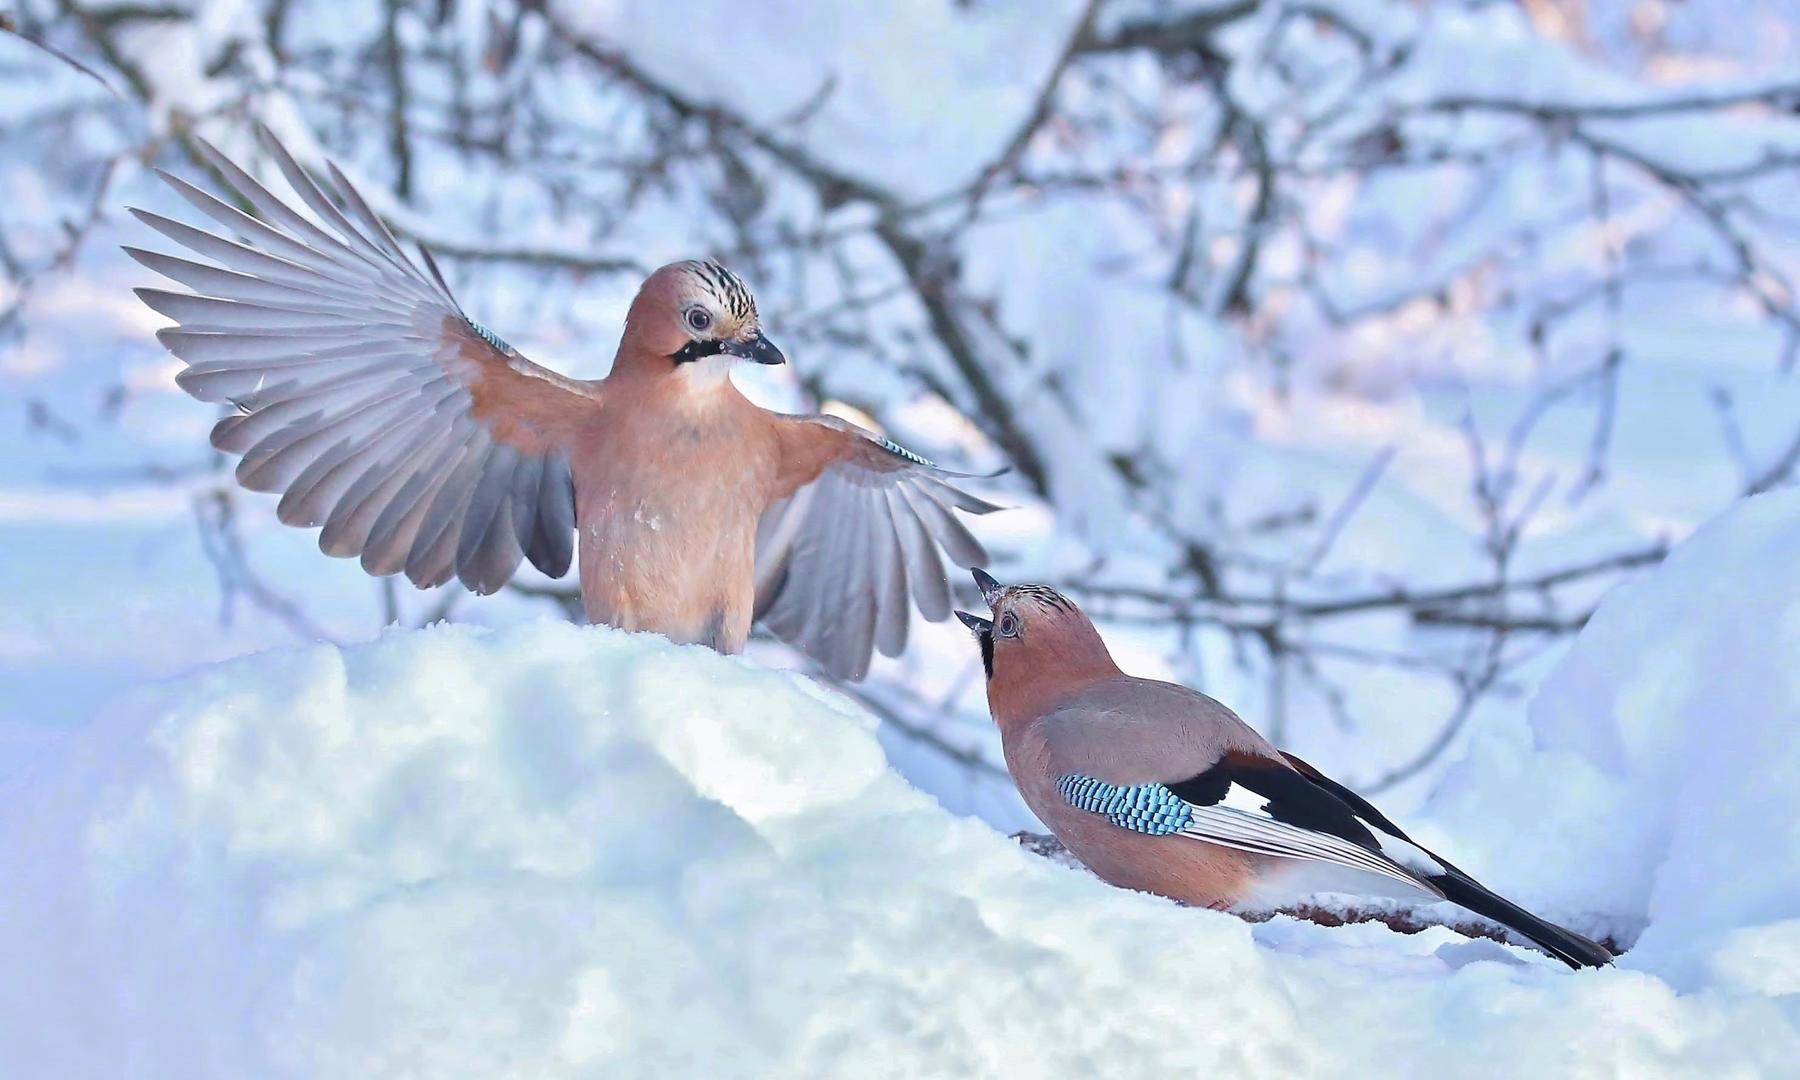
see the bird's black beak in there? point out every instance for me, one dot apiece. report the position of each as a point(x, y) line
point(975, 622)
point(984, 635)
point(990, 589)
point(758, 348)
point(983, 628)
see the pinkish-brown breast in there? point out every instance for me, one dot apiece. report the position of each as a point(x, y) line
point(667, 497)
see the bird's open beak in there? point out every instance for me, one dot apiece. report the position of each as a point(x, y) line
point(975, 622)
point(990, 591)
point(983, 628)
point(758, 348)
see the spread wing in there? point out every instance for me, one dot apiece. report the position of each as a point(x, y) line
point(855, 532)
point(364, 395)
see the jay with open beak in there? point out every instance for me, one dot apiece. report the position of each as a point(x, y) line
point(421, 442)
point(1161, 789)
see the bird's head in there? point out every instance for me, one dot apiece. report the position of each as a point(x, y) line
point(697, 315)
point(1035, 642)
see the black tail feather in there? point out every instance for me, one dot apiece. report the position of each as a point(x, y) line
point(1566, 945)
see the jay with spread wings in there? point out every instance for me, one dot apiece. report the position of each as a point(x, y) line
point(420, 442)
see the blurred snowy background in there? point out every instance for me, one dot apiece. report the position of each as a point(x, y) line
point(1343, 352)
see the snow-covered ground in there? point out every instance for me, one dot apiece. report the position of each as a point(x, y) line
point(547, 851)
point(1661, 764)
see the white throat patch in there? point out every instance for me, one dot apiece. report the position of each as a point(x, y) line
point(706, 373)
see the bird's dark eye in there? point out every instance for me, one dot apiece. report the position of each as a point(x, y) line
point(1008, 624)
point(698, 318)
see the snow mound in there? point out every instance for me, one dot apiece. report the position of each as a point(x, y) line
point(1663, 773)
point(553, 851)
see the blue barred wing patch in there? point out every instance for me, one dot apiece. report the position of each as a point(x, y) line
point(1145, 808)
point(896, 449)
point(489, 336)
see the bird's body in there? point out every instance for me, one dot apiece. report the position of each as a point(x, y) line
point(422, 443)
point(1094, 729)
point(659, 551)
point(1159, 788)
